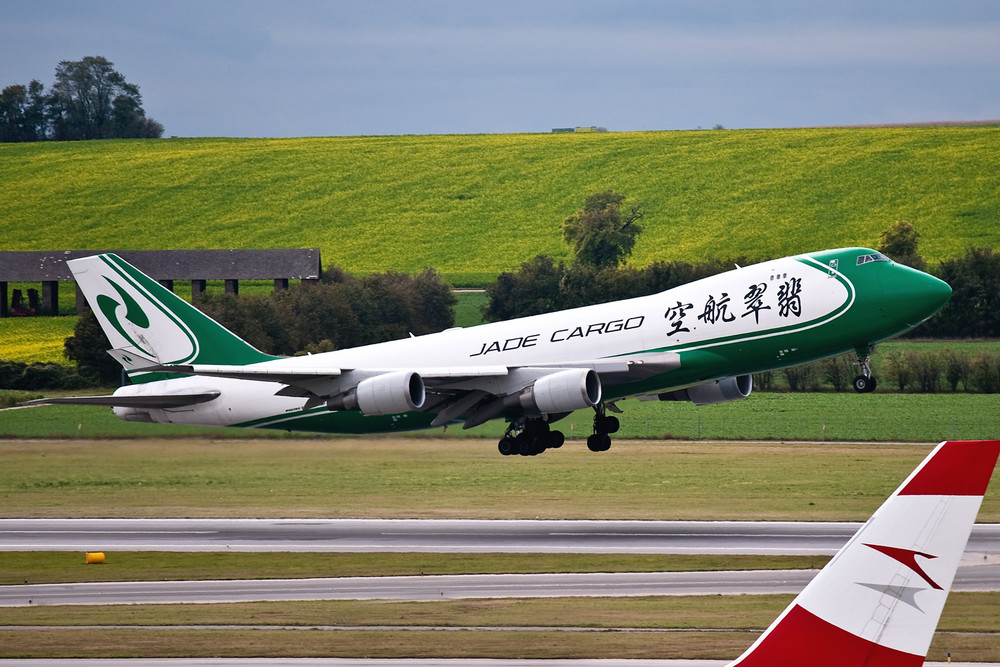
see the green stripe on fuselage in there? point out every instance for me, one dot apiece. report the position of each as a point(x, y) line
point(323, 420)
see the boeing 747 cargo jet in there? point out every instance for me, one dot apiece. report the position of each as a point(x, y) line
point(699, 342)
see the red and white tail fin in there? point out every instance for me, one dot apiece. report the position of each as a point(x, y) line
point(877, 603)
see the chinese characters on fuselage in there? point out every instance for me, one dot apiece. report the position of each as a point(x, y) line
point(716, 309)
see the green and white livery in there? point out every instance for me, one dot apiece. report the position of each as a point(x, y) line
point(699, 342)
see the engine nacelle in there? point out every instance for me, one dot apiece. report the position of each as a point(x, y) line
point(385, 394)
point(720, 391)
point(564, 391)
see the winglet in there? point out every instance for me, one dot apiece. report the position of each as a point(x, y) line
point(878, 602)
point(958, 468)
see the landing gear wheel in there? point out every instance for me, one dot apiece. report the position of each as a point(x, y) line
point(599, 442)
point(864, 385)
point(556, 439)
point(603, 425)
point(506, 446)
point(606, 424)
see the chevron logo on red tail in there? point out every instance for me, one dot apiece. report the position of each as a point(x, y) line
point(908, 558)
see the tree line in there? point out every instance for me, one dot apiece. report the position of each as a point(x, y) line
point(944, 370)
point(88, 100)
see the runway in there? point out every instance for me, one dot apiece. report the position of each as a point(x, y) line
point(443, 536)
point(442, 587)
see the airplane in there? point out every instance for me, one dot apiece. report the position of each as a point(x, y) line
point(878, 601)
point(699, 342)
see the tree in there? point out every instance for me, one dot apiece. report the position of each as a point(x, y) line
point(531, 290)
point(22, 113)
point(88, 348)
point(337, 313)
point(90, 100)
point(600, 233)
point(974, 308)
point(899, 242)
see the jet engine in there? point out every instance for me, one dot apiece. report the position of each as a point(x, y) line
point(563, 391)
point(385, 394)
point(719, 391)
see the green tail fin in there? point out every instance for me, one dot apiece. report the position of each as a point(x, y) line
point(144, 320)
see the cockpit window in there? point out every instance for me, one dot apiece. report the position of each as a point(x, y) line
point(874, 257)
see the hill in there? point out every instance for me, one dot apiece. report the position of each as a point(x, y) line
point(473, 206)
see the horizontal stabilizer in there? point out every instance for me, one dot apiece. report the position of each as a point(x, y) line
point(132, 359)
point(153, 401)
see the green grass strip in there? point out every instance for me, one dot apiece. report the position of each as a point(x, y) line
point(43, 567)
point(446, 478)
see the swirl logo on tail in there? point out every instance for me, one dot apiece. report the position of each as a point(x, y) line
point(133, 313)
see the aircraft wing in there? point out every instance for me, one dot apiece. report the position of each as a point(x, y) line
point(637, 366)
point(473, 393)
point(144, 401)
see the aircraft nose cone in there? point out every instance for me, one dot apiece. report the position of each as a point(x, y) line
point(938, 292)
point(919, 294)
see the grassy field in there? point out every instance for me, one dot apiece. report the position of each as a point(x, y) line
point(441, 478)
point(763, 416)
point(472, 206)
point(29, 339)
point(717, 627)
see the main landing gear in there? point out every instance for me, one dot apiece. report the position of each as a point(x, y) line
point(604, 426)
point(530, 437)
point(865, 382)
point(533, 437)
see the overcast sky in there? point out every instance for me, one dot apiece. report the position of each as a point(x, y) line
point(257, 68)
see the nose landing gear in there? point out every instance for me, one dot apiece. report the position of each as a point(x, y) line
point(865, 382)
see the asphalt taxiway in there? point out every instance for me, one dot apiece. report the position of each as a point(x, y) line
point(443, 536)
point(442, 587)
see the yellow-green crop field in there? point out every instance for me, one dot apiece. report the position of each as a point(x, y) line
point(31, 339)
point(474, 205)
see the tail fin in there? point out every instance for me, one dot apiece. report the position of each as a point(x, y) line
point(147, 324)
point(877, 603)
